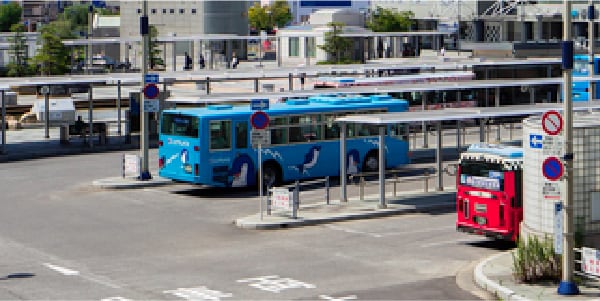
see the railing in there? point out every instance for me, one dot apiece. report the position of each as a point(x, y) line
point(361, 183)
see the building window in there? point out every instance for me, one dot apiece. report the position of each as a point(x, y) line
point(294, 46)
point(172, 11)
point(310, 47)
point(193, 11)
point(164, 11)
point(153, 11)
point(182, 11)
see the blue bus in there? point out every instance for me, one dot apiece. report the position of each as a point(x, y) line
point(581, 68)
point(212, 145)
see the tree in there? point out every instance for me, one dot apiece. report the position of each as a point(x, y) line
point(155, 58)
point(10, 13)
point(387, 20)
point(18, 65)
point(77, 16)
point(268, 16)
point(280, 13)
point(337, 47)
point(53, 57)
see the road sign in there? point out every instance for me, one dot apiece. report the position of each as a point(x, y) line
point(551, 190)
point(262, 137)
point(259, 104)
point(558, 228)
point(151, 78)
point(151, 91)
point(151, 105)
point(553, 146)
point(552, 122)
point(535, 141)
point(552, 168)
point(281, 198)
point(259, 120)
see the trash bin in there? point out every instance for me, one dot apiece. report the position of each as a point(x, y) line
point(64, 134)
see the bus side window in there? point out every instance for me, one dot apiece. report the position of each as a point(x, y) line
point(220, 134)
point(241, 135)
point(279, 136)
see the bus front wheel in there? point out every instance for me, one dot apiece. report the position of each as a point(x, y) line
point(271, 175)
point(371, 162)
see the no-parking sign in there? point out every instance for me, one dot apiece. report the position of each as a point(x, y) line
point(552, 122)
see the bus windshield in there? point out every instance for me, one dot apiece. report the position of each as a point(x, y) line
point(482, 175)
point(179, 125)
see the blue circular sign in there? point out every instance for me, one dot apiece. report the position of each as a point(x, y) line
point(259, 120)
point(151, 91)
point(552, 168)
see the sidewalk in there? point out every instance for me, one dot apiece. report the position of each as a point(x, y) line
point(494, 274)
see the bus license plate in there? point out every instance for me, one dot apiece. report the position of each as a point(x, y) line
point(480, 220)
point(480, 208)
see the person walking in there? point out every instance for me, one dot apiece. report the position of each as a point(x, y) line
point(234, 61)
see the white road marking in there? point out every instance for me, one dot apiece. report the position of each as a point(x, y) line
point(447, 242)
point(198, 293)
point(115, 299)
point(275, 284)
point(347, 230)
point(325, 297)
point(62, 270)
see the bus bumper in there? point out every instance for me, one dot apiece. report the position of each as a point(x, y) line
point(500, 235)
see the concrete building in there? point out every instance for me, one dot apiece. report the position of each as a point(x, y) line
point(195, 20)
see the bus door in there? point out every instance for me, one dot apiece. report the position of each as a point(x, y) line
point(243, 169)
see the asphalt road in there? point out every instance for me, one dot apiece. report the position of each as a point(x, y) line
point(62, 239)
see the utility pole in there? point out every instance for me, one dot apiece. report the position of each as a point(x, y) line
point(567, 286)
point(89, 39)
point(144, 137)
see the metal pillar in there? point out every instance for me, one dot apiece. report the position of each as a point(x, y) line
point(482, 122)
point(591, 41)
point(343, 195)
point(567, 285)
point(458, 135)
point(90, 117)
point(47, 112)
point(381, 167)
point(119, 108)
point(424, 124)
point(3, 149)
point(438, 158)
point(497, 97)
point(144, 137)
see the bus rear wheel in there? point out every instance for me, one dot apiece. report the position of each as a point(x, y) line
point(271, 175)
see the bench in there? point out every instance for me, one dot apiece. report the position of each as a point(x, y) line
point(83, 130)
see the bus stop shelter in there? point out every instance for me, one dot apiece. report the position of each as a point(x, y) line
point(437, 117)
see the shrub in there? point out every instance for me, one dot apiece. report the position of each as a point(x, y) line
point(535, 261)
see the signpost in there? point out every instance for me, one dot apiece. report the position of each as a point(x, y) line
point(260, 121)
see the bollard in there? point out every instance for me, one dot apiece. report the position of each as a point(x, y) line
point(395, 182)
point(269, 199)
point(327, 190)
point(361, 188)
point(207, 85)
point(426, 180)
point(296, 200)
point(256, 85)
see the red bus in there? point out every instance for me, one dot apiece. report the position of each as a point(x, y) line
point(489, 191)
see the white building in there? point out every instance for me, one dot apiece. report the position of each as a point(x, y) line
point(196, 18)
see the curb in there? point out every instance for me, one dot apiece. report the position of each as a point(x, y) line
point(491, 286)
point(128, 183)
point(299, 222)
